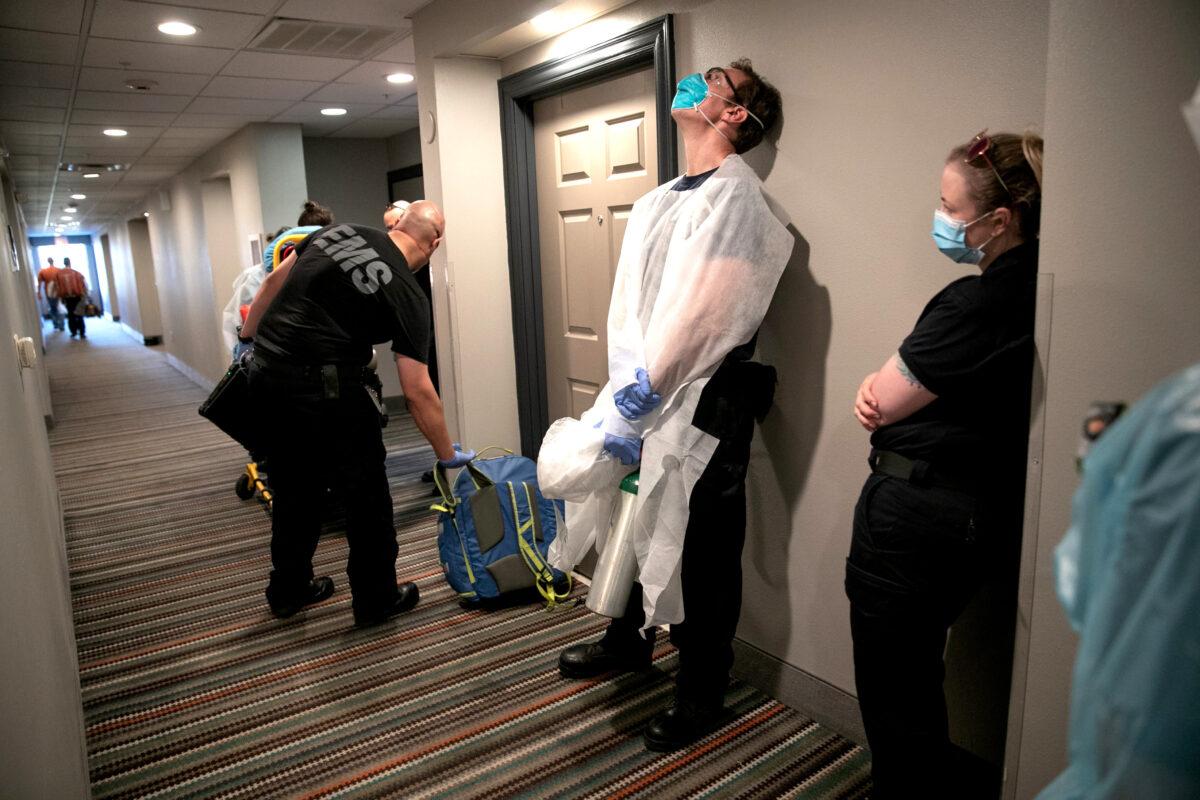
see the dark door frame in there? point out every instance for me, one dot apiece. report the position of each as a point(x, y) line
point(403, 174)
point(651, 44)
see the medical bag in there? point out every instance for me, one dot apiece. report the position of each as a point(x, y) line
point(495, 531)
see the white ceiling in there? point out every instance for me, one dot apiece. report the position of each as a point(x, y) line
point(64, 65)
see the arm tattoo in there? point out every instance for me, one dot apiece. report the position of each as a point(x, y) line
point(906, 373)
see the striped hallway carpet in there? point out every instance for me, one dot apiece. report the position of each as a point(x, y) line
point(191, 689)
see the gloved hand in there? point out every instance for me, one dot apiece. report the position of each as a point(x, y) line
point(637, 399)
point(243, 350)
point(460, 458)
point(627, 451)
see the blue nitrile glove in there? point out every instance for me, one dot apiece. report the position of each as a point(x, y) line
point(627, 451)
point(637, 399)
point(243, 350)
point(460, 458)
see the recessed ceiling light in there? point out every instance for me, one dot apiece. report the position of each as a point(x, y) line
point(64, 216)
point(400, 77)
point(79, 197)
point(177, 28)
point(115, 132)
point(333, 112)
point(145, 213)
point(91, 174)
point(70, 210)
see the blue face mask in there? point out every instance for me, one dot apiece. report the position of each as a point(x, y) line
point(950, 236)
point(690, 92)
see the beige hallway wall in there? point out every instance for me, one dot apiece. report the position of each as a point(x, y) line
point(1122, 242)
point(42, 747)
point(124, 285)
point(264, 165)
point(141, 254)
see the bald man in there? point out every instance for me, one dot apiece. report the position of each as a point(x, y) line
point(314, 321)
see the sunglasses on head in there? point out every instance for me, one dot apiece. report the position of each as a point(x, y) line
point(979, 150)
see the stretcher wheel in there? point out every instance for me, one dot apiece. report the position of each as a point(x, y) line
point(243, 487)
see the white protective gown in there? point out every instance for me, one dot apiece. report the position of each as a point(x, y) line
point(696, 275)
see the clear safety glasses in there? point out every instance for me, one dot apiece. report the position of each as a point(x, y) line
point(716, 76)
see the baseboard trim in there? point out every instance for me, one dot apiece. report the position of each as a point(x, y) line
point(795, 688)
point(191, 374)
point(131, 332)
point(151, 341)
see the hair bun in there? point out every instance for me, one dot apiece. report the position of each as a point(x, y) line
point(1032, 146)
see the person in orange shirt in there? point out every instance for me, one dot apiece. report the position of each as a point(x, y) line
point(71, 289)
point(46, 278)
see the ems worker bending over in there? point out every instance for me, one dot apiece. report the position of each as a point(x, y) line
point(699, 264)
point(344, 289)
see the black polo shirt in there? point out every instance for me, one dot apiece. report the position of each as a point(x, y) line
point(349, 289)
point(973, 347)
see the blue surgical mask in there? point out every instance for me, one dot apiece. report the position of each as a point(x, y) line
point(950, 236)
point(690, 93)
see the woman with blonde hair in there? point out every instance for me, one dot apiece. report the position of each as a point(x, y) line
point(948, 415)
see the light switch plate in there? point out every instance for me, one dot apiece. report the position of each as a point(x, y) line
point(26, 351)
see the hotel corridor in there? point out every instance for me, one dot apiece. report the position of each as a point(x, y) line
point(192, 689)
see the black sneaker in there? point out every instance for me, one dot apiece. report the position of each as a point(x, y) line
point(406, 598)
point(682, 724)
point(590, 659)
point(318, 590)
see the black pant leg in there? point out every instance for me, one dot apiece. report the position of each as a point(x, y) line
point(912, 568)
point(711, 574)
point(370, 529)
point(74, 322)
point(297, 427)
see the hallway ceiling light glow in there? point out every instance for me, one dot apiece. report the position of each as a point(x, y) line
point(115, 132)
point(400, 77)
point(79, 197)
point(177, 28)
point(333, 112)
point(145, 213)
point(70, 210)
point(91, 174)
point(64, 216)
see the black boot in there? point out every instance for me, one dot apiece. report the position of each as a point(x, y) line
point(406, 597)
point(683, 724)
point(317, 590)
point(630, 653)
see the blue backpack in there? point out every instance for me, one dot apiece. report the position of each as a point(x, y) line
point(495, 531)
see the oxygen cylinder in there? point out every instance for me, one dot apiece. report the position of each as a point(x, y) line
point(617, 567)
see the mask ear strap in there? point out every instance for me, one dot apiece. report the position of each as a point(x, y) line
point(750, 113)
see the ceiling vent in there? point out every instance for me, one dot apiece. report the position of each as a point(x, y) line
point(308, 38)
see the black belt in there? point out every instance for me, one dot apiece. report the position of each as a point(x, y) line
point(344, 373)
point(329, 377)
point(919, 473)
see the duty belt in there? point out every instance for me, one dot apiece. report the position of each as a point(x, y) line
point(919, 473)
point(344, 373)
point(330, 377)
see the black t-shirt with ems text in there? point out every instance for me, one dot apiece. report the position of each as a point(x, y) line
point(349, 289)
point(973, 347)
